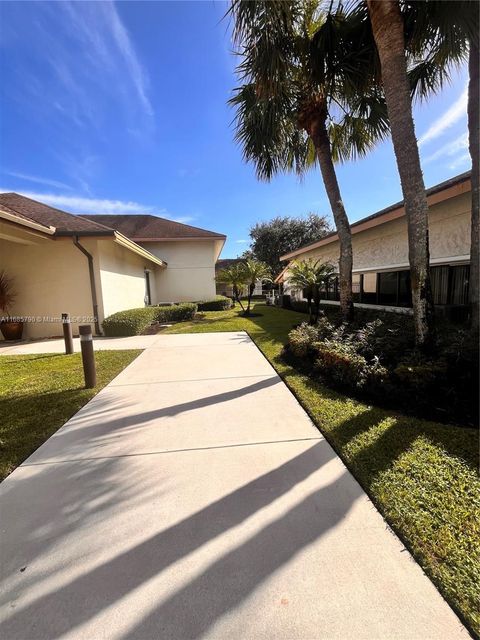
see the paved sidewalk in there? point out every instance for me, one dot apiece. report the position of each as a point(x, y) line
point(193, 498)
point(57, 345)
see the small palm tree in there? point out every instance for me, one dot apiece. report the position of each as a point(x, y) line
point(234, 277)
point(312, 277)
point(253, 272)
point(301, 276)
point(324, 273)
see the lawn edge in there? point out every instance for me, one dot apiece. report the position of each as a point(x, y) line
point(466, 623)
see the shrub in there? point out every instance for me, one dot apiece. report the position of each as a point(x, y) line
point(219, 303)
point(301, 340)
point(340, 363)
point(133, 322)
point(176, 312)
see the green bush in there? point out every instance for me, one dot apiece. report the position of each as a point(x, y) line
point(302, 339)
point(133, 322)
point(219, 303)
point(340, 363)
point(376, 360)
point(176, 312)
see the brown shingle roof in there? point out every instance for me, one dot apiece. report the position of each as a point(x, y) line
point(145, 227)
point(64, 223)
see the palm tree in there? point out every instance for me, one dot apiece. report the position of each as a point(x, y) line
point(301, 276)
point(234, 277)
point(443, 41)
point(254, 271)
point(307, 97)
point(474, 147)
point(388, 31)
point(323, 272)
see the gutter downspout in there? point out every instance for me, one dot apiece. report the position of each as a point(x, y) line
point(93, 287)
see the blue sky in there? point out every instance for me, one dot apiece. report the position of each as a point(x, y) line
point(121, 108)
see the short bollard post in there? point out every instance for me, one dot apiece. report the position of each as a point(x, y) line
point(88, 358)
point(67, 333)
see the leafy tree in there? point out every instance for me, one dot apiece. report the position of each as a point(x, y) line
point(283, 234)
point(307, 96)
point(234, 277)
point(253, 271)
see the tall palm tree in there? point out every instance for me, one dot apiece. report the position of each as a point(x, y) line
point(388, 31)
point(474, 144)
point(234, 277)
point(445, 33)
point(307, 96)
point(253, 272)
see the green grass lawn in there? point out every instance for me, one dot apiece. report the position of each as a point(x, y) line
point(421, 475)
point(40, 392)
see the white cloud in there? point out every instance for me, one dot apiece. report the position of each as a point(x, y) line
point(241, 241)
point(137, 73)
point(457, 111)
point(460, 161)
point(449, 149)
point(79, 204)
point(37, 179)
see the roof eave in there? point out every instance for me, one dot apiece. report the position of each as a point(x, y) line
point(133, 246)
point(23, 222)
point(436, 194)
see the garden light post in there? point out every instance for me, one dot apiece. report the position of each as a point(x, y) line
point(67, 333)
point(88, 358)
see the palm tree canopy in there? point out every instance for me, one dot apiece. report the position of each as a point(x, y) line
point(254, 270)
point(309, 274)
point(298, 59)
point(233, 276)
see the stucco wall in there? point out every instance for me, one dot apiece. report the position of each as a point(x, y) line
point(122, 278)
point(51, 277)
point(385, 247)
point(190, 274)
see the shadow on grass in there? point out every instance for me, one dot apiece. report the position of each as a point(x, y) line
point(28, 420)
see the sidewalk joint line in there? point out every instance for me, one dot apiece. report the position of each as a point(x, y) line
point(157, 453)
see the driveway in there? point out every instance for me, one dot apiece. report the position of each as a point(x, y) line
point(193, 498)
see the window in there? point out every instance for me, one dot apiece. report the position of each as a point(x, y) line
point(439, 278)
point(459, 284)
point(387, 288)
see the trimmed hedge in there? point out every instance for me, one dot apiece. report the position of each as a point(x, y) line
point(133, 322)
point(177, 312)
point(219, 303)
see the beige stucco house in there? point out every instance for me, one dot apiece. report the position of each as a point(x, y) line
point(93, 266)
point(380, 252)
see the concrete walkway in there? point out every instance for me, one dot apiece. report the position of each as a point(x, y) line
point(57, 345)
point(193, 498)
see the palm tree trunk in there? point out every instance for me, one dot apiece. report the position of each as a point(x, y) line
point(474, 137)
point(387, 26)
point(309, 307)
point(321, 141)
